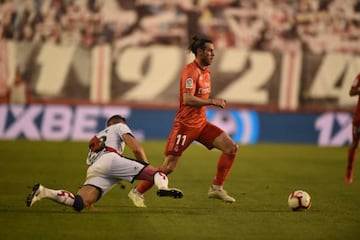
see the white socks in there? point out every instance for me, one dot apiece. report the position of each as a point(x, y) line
point(161, 180)
point(60, 196)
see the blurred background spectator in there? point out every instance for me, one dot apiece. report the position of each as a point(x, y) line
point(275, 25)
point(18, 92)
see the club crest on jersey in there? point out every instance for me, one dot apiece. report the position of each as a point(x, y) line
point(189, 83)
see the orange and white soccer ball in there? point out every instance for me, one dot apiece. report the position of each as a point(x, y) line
point(299, 200)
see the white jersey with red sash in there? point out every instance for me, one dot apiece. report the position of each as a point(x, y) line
point(106, 164)
point(108, 140)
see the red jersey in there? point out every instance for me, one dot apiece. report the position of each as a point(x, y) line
point(194, 80)
point(356, 85)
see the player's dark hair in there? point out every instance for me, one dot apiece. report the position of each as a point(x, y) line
point(198, 42)
point(116, 119)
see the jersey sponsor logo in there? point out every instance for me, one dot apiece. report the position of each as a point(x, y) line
point(189, 83)
point(204, 90)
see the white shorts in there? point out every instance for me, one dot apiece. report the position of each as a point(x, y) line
point(110, 168)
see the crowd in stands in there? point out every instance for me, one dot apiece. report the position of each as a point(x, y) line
point(317, 26)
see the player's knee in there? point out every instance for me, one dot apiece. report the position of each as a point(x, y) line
point(78, 203)
point(235, 148)
point(231, 149)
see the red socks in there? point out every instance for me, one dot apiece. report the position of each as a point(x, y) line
point(223, 168)
point(352, 152)
point(144, 186)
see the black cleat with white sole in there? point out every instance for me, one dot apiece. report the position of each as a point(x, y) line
point(33, 196)
point(170, 192)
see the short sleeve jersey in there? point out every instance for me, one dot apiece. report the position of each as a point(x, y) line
point(356, 85)
point(194, 80)
point(113, 137)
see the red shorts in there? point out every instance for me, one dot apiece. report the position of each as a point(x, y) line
point(182, 136)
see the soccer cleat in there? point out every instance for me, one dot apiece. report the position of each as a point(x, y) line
point(170, 192)
point(220, 194)
point(349, 175)
point(35, 195)
point(137, 198)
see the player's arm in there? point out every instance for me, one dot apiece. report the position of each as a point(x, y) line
point(135, 147)
point(190, 100)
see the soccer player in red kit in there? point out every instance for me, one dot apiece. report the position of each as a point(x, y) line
point(190, 123)
point(352, 150)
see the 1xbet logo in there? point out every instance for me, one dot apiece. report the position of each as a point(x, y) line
point(334, 129)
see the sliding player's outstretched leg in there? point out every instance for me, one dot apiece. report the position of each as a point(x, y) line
point(63, 197)
point(161, 181)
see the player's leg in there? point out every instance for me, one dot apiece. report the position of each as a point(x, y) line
point(161, 181)
point(352, 153)
point(88, 195)
point(224, 165)
point(136, 194)
point(229, 151)
point(167, 167)
point(128, 169)
point(63, 197)
point(212, 136)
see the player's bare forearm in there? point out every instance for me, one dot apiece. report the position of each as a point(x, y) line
point(136, 147)
point(191, 100)
point(140, 155)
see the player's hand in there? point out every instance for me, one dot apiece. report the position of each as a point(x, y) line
point(218, 102)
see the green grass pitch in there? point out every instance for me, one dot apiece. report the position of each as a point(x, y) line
point(261, 180)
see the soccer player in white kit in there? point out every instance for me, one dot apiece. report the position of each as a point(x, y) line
point(106, 168)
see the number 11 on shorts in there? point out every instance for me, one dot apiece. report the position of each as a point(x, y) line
point(180, 139)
